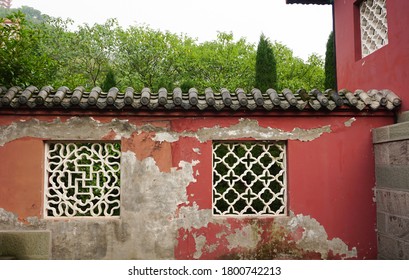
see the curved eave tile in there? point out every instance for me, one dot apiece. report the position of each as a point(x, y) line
point(31, 98)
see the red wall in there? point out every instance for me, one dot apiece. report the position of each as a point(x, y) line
point(21, 177)
point(387, 67)
point(330, 178)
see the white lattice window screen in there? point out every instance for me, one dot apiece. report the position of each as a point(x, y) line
point(374, 27)
point(82, 180)
point(249, 178)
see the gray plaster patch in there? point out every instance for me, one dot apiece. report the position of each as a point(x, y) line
point(165, 136)
point(246, 128)
point(87, 128)
point(349, 122)
point(315, 237)
point(150, 203)
point(80, 128)
point(200, 242)
point(245, 237)
point(193, 217)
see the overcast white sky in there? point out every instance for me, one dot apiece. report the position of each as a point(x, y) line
point(303, 28)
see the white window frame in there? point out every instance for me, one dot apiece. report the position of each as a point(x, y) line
point(239, 177)
point(110, 192)
point(373, 26)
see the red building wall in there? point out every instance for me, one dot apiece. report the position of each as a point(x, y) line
point(388, 67)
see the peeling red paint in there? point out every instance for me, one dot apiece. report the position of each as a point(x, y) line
point(215, 236)
point(337, 196)
point(143, 146)
point(330, 178)
point(200, 191)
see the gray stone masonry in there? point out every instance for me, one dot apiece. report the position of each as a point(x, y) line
point(391, 147)
point(25, 245)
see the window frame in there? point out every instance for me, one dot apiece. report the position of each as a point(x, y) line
point(358, 31)
point(284, 213)
point(46, 179)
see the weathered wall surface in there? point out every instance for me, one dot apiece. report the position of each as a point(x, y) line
point(166, 188)
point(392, 190)
point(385, 68)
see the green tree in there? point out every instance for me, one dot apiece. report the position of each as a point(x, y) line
point(147, 57)
point(22, 60)
point(330, 64)
point(266, 73)
point(109, 81)
point(294, 73)
point(223, 62)
point(31, 14)
point(49, 52)
point(94, 51)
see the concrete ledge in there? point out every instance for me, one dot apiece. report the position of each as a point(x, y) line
point(25, 245)
point(394, 132)
point(403, 117)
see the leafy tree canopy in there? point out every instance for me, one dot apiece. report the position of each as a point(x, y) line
point(48, 51)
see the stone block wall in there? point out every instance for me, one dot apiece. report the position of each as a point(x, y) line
point(391, 145)
point(25, 245)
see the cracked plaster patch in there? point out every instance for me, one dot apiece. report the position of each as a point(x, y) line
point(315, 237)
point(349, 122)
point(83, 128)
point(201, 246)
point(193, 217)
point(246, 128)
point(200, 242)
point(246, 238)
point(80, 128)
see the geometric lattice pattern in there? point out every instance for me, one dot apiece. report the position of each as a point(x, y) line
point(374, 27)
point(82, 180)
point(249, 178)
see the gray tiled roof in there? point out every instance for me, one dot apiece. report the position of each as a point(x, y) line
point(47, 98)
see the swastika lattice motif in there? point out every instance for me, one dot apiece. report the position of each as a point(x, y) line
point(82, 179)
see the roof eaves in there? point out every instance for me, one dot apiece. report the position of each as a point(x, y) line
point(63, 99)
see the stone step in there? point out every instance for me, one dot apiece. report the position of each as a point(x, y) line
point(403, 117)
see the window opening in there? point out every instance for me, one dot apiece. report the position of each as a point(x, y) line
point(82, 179)
point(374, 26)
point(249, 178)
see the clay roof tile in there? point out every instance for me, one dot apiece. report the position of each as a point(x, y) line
point(30, 98)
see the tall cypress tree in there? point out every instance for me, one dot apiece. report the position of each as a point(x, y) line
point(109, 81)
point(266, 72)
point(330, 64)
